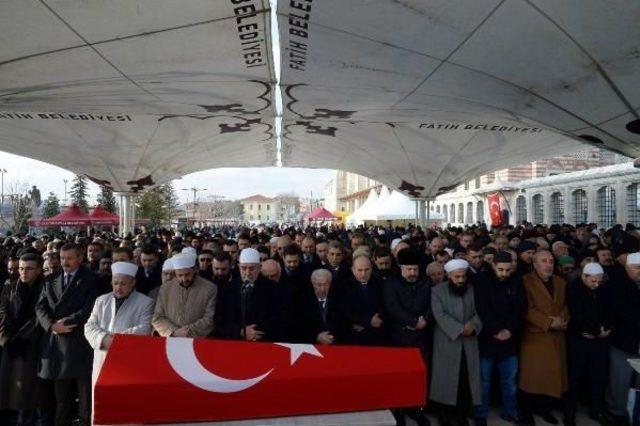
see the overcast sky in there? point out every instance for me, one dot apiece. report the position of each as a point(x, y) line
point(231, 183)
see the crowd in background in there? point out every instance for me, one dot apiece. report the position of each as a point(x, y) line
point(531, 318)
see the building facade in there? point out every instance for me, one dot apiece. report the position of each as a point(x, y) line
point(603, 195)
point(260, 209)
point(347, 191)
point(588, 186)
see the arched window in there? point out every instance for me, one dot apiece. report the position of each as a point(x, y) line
point(452, 213)
point(557, 208)
point(521, 209)
point(460, 213)
point(633, 208)
point(438, 209)
point(580, 206)
point(469, 218)
point(537, 205)
point(480, 212)
point(606, 207)
point(445, 213)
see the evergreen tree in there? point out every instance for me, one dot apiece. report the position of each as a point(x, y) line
point(79, 192)
point(107, 200)
point(158, 205)
point(51, 206)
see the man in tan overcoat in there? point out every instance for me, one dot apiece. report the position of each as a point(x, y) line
point(543, 358)
point(187, 305)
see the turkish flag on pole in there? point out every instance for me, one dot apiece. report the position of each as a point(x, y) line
point(495, 211)
point(156, 380)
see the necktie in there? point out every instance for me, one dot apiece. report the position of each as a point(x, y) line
point(67, 281)
point(323, 309)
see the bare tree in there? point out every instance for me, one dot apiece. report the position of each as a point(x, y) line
point(20, 205)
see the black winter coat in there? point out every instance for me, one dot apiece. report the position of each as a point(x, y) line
point(66, 356)
point(500, 305)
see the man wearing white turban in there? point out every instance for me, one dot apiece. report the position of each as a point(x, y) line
point(123, 311)
point(455, 380)
point(186, 305)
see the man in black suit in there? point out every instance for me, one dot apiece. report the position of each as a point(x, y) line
point(319, 312)
point(149, 273)
point(309, 257)
point(246, 308)
point(363, 305)
point(63, 308)
point(205, 261)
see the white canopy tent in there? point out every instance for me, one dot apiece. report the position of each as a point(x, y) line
point(420, 95)
point(365, 210)
point(400, 207)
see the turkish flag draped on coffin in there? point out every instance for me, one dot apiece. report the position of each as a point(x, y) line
point(157, 380)
point(495, 211)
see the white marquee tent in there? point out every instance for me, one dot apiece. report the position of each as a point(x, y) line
point(365, 210)
point(400, 207)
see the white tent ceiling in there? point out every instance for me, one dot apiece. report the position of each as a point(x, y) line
point(137, 92)
point(423, 95)
point(418, 94)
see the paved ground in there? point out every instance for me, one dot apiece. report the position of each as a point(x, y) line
point(494, 420)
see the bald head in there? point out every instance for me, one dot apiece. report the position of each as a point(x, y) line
point(271, 270)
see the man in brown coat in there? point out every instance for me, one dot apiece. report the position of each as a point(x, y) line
point(543, 358)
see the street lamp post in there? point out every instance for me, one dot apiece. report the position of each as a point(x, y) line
point(195, 195)
point(2, 172)
point(65, 191)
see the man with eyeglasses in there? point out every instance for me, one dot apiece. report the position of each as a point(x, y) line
point(205, 259)
point(21, 391)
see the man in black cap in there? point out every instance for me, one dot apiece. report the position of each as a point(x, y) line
point(502, 304)
point(408, 304)
point(526, 249)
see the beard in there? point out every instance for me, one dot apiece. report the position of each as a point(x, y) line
point(458, 290)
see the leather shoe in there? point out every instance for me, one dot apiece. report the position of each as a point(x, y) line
point(549, 418)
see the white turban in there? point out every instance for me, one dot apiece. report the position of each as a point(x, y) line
point(124, 268)
point(592, 269)
point(633, 259)
point(456, 264)
point(183, 261)
point(249, 255)
point(167, 265)
point(395, 243)
point(189, 250)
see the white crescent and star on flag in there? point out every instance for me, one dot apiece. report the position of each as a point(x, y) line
point(182, 358)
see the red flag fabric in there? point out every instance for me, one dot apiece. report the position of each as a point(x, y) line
point(156, 380)
point(495, 211)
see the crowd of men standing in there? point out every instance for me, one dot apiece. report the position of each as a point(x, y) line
point(551, 312)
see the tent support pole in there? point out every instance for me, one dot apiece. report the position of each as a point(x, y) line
point(126, 213)
point(420, 205)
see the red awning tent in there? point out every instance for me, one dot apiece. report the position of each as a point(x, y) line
point(100, 216)
point(321, 214)
point(72, 216)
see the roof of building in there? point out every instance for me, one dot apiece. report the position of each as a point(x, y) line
point(597, 172)
point(257, 198)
